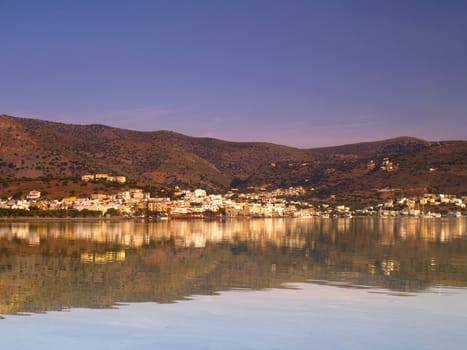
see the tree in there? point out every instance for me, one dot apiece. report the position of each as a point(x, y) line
point(112, 212)
point(18, 195)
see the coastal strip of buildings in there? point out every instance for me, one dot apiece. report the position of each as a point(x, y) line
point(198, 203)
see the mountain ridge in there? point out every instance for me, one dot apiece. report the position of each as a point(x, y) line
point(33, 148)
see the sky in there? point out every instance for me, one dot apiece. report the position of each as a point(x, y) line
point(300, 73)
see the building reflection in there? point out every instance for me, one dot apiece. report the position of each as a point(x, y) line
point(52, 265)
point(198, 233)
point(102, 258)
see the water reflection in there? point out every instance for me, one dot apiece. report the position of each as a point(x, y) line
point(55, 265)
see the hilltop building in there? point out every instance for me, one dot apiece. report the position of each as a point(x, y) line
point(105, 177)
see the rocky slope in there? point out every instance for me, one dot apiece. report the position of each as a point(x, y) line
point(31, 149)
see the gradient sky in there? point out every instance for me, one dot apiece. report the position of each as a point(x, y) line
point(300, 73)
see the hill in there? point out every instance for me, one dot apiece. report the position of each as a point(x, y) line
point(35, 149)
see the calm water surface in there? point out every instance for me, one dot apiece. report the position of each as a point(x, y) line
point(360, 283)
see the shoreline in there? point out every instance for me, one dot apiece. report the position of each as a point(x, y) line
point(29, 219)
point(66, 219)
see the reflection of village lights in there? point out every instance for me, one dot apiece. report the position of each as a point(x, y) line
point(198, 233)
point(389, 266)
point(433, 264)
point(371, 269)
point(102, 258)
point(369, 251)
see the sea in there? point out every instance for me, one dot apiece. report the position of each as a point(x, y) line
point(310, 283)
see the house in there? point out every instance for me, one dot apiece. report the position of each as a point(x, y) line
point(101, 177)
point(104, 177)
point(87, 177)
point(120, 179)
point(33, 195)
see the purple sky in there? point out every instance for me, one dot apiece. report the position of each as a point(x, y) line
point(301, 73)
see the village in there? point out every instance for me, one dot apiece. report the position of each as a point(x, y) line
point(136, 203)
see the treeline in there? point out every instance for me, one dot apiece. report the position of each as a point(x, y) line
point(50, 213)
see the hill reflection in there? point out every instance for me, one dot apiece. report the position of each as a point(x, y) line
point(56, 265)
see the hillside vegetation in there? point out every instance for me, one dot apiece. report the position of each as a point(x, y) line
point(36, 150)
